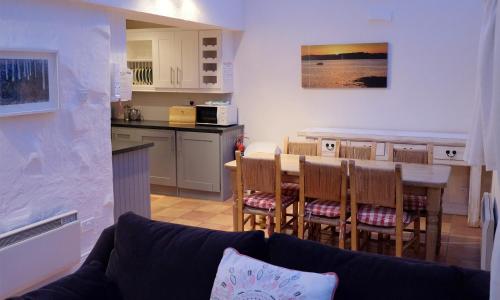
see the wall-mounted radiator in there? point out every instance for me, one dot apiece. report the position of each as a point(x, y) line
point(36, 252)
point(490, 214)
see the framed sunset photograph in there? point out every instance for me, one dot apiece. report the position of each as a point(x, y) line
point(362, 65)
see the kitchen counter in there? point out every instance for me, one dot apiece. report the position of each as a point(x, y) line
point(174, 126)
point(128, 146)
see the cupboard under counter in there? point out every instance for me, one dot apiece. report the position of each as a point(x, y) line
point(186, 160)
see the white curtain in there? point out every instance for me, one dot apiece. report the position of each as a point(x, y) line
point(483, 145)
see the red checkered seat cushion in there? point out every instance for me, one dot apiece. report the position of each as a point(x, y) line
point(266, 200)
point(381, 216)
point(323, 208)
point(290, 189)
point(414, 202)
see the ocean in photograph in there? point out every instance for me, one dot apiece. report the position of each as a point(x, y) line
point(23, 81)
point(344, 73)
point(362, 65)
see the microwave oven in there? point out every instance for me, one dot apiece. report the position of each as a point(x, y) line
point(222, 115)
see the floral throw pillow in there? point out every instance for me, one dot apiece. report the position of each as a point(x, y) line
point(240, 277)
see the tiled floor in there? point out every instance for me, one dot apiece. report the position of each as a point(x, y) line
point(460, 243)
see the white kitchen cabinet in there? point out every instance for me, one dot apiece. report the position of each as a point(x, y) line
point(216, 60)
point(177, 58)
point(165, 55)
point(181, 60)
point(187, 59)
point(140, 60)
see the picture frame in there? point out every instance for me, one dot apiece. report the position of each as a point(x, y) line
point(354, 65)
point(29, 82)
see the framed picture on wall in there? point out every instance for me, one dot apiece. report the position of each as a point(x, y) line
point(28, 82)
point(345, 65)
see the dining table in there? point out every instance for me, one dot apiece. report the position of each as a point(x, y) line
point(433, 178)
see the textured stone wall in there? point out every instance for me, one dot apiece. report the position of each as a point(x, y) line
point(59, 161)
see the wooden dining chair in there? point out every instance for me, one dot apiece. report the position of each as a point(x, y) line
point(414, 198)
point(357, 152)
point(323, 196)
point(259, 193)
point(303, 147)
point(377, 204)
point(290, 185)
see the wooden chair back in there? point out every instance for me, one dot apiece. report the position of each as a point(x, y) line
point(357, 152)
point(323, 181)
point(258, 174)
point(414, 156)
point(375, 186)
point(308, 148)
point(326, 182)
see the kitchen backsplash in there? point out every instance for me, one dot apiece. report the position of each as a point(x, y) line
point(154, 106)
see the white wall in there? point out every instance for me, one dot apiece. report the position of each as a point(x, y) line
point(220, 13)
point(433, 48)
point(61, 160)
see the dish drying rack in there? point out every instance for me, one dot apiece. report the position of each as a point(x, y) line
point(142, 72)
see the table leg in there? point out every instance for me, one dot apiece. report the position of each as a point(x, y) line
point(432, 228)
point(234, 197)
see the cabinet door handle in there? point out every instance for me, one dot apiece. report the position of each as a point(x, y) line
point(171, 75)
point(178, 79)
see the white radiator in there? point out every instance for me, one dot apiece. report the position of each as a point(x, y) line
point(34, 253)
point(489, 221)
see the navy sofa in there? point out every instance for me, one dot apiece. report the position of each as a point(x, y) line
point(143, 259)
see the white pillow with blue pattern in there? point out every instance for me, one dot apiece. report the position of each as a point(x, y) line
point(241, 277)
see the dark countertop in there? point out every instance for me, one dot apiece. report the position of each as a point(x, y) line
point(173, 126)
point(127, 146)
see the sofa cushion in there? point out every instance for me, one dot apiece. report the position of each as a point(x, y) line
point(368, 276)
point(156, 260)
point(88, 282)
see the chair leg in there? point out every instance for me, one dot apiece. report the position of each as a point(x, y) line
point(241, 221)
point(300, 229)
point(354, 239)
point(252, 222)
point(416, 233)
point(440, 225)
point(295, 216)
point(380, 243)
point(270, 226)
point(333, 230)
point(342, 230)
point(366, 238)
point(262, 222)
point(311, 231)
point(399, 245)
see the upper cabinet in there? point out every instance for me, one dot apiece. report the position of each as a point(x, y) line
point(216, 60)
point(178, 60)
point(168, 60)
point(140, 59)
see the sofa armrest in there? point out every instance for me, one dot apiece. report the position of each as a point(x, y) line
point(103, 247)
